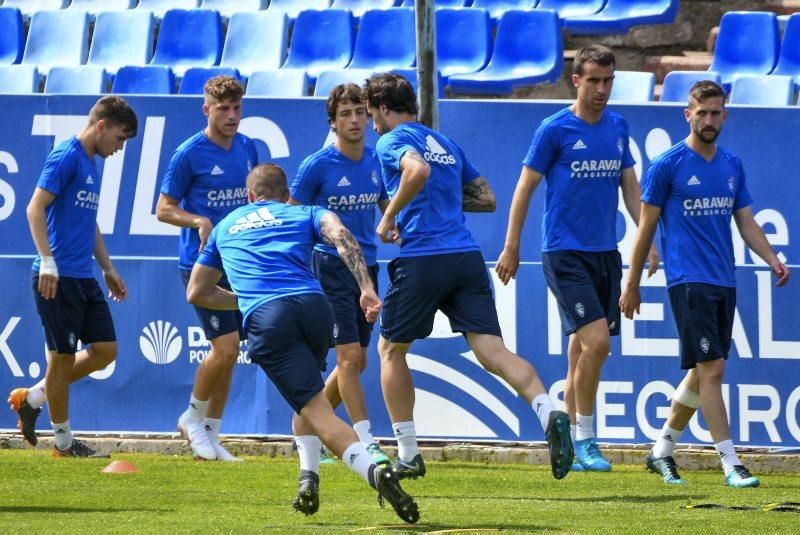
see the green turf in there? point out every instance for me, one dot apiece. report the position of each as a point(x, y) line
point(174, 494)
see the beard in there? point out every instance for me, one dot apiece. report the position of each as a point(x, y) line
point(708, 135)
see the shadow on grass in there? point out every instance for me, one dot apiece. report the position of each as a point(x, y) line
point(630, 499)
point(446, 528)
point(51, 509)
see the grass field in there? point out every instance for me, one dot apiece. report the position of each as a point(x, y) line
point(175, 494)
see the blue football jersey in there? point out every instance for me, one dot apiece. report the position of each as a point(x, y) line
point(582, 164)
point(698, 199)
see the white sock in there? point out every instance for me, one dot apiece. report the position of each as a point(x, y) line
point(358, 460)
point(543, 406)
point(364, 431)
point(308, 451)
point(36, 396)
point(665, 445)
point(573, 429)
point(197, 408)
point(727, 455)
point(585, 427)
point(406, 435)
point(62, 434)
point(213, 426)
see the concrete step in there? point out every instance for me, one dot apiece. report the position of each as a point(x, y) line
point(781, 7)
point(661, 65)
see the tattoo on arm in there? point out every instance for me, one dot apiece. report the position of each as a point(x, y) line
point(477, 196)
point(414, 155)
point(336, 235)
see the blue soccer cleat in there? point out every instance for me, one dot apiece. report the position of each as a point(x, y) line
point(588, 454)
point(741, 478)
point(666, 468)
point(377, 454)
point(410, 469)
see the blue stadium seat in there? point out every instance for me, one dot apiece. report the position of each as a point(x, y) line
point(496, 8)
point(747, 44)
point(619, 15)
point(439, 3)
point(12, 35)
point(377, 52)
point(678, 83)
point(29, 7)
point(572, 8)
point(122, 38)
point(227, 8)
point(57, 38)
point(145, 80)
point(321, 41)
point(178, 45)
point(789, 59)
point(292, 8)
point(18, 79)
point(256, 41)
point(160, 7)
point(633, 86)
point(454, 53)
point(93, 7)
point(280, 83)
point(80, 80)
point(327, 80)
point(195, 78)
point(411, 76)
point(528, 49)
point(775, 90)
point(358, 7)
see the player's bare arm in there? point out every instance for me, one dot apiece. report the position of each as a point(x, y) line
point(631, 195)
point(116, 286)
point(753, 236)
point(477, 196)
point(48, 271)
point(630, 299)
point(508, 263)
point(203, 291)
point(168, 211)
point(415, 172)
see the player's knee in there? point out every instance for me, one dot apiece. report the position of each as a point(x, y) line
point(712, 372)
point(390, 351)
point(225, 351)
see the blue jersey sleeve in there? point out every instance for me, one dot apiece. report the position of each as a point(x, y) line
point(468, 171)
point(210, 256)
point(543, 150)
point(316, 217)
point(58, 171)
point(178, 177)
point(657, 183)
point(627, 157)
point(743, 198)
point(306, 182)
point(390, 148)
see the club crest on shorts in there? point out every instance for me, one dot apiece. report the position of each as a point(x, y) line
point(620, 146)
point(336, 330)
point(214, 323)
point(579, 309)
point(375, 178)
point(704, 344)
point(73, 340)
point(731, 183)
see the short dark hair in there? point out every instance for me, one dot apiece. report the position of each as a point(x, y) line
point(599, 54)
point(115, 111)
point(224, 88)
point(393, 91)
point(352, 93)
point(705, 89)
point(267, 181)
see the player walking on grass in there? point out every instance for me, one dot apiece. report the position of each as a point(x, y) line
point(62, 214)
point(205, 180)
point(345, 178)
point(431, 184)
point(582, 153)
point(693, 190)
point(265, 248)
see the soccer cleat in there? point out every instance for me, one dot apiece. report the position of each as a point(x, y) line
point(588, 454)
point(223, 454)
point(741, 478)
point(195, 433)
point(559, 442)
point(325, 457)
point(377, 454)
point(414, 468)
point(576, 467)
point(27, 414)
point(666, 468)
point(307, 499)
point(387, 483)
point(78, 449)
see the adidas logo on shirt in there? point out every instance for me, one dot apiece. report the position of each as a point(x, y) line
point(261, 218)
point(343, 182)
point(217, 171)
point(579, 145)
point(694, 181)
point(436, 152)
point(89, 180)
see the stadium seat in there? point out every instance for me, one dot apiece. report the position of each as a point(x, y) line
point(747, 44)
point(528, 50)
point(374, 51)
point(178, 46)
point(80, 80)
point(160, 7)
point(572, 8)
point(256, 41)
point(619, 15)
point(439, 3)
point(411, 76)
point(145, 80)
point(122, 38)
point(789, 59)
point(195, 78)
point(292, 8)
point(57, 38)
point(29, 7)
point(358, 7)
point(227, 8)
point(496, 8)
point(633, 86)
point(678, 83)
point(327, 80)
point(279, 83)
point(322, 40)
point(454, 53)
point(775, 90)
point(93, 7)
point(12, 35)
point(18, 79)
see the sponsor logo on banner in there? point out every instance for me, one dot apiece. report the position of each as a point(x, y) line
point(160, 342)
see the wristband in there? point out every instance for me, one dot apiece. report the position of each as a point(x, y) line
point(47, 266)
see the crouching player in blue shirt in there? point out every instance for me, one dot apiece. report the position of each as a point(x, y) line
point(692, 190)
point(265, 249)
